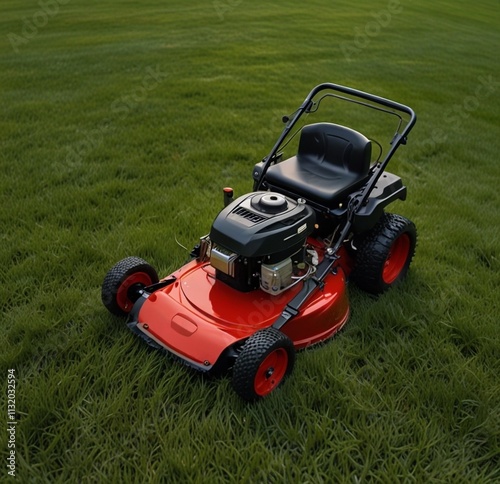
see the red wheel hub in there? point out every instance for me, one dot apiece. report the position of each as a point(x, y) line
point(271, 371)
point(396, 260)
point(122, 296)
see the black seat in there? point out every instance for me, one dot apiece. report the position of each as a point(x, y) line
point(332, 160)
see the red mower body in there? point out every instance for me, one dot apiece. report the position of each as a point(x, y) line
point(199, 318)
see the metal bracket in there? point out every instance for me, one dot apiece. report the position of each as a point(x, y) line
point(159, 285)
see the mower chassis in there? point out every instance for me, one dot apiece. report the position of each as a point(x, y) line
point(202, 321)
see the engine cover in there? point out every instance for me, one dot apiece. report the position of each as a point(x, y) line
point(261, 224)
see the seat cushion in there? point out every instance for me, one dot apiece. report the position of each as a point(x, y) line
point(332, 160)
point(326, 185)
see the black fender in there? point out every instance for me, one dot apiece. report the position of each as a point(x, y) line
point(389, 188)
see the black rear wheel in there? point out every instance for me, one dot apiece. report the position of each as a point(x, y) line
point(266, 359)
point(123, 282)
point(384, 254)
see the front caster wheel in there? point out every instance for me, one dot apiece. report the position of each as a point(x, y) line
point(266, 359)
point(123, 282)
point(384, 254)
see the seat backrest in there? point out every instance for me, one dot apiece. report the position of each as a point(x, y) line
point(332, 144)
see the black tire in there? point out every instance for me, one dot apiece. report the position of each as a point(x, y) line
point(265, 360)
point(121, 283)
point(384, 254)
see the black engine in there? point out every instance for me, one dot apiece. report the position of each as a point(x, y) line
point(259, 240)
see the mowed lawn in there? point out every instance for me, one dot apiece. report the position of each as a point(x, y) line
point(121, 122)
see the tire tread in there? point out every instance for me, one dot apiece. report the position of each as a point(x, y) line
point(373, 249)
point(115, 277)
point(254, 351)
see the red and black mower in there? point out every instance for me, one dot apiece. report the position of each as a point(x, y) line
point(271, 276)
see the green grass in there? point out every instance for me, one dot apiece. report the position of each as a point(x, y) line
point(94, 168)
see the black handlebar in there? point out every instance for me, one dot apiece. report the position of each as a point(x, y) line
point(400, 138)
point(364, 95)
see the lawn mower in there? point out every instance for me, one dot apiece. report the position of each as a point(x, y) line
point(271, 276)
